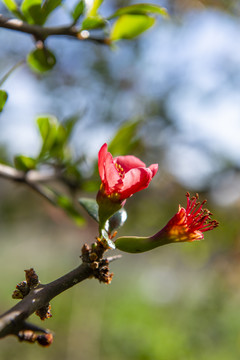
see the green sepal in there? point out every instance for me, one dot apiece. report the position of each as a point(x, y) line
point(107, 207)
point(113, 223)
point(135, 244)
point(106, 241)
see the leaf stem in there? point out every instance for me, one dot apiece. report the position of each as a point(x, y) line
point(5, 77)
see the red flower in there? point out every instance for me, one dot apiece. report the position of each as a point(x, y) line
point(189, 224)
point(123, 176)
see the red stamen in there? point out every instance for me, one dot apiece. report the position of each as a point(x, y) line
point(198, 218)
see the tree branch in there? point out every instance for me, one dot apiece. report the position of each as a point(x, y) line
point(13, 321)
point(41, 33)
point(36, 296)
point(32, 179)
point(11, 173)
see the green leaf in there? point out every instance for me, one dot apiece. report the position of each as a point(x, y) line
point(36, 13)
point(54, 137)
point(32, 10)
point(69, 124)
point(67, 205)
point(140, 9)
point(48, 129)
point(48, 6)
point(78, 10)
point(24, 163)
point(130, 26)
point(93, 11)
point(3, 99)
point(125, 140)
point(93, 22)
point(44, 125)
point(41, 60)
point(91, 206)
point(117, 220)
point(11, 5)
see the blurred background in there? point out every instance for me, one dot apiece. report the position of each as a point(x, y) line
point(180, 84)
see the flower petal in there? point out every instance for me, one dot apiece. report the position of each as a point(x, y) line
point(135, 180)
point(101, 161)
point(112, 180)
point(154, 169)
point(129, 162)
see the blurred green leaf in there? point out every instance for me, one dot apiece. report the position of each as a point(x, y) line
point(78, 10)
point(48, 6)
point(93, 22)
point(67, 205)
point(54, 137)
point(130, 26)
point(12, 6)
point(41, 60)
point(91, 206)
point(69, 124)
point(44, 125)
point(140, 9)
point(32, 10)
point(37, 12)
point(48, 129)
point(3, 99)
point(125, 140)
point(24, 163)
point(93, 10)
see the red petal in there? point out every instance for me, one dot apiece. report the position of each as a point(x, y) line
point(135, 180)
point(112, 177)
point(154, 169)
point(101, 160)
point(129, 162)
